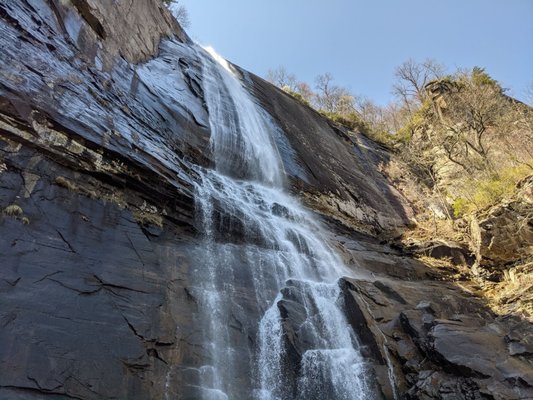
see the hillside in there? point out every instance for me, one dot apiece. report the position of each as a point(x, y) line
point(461, 154)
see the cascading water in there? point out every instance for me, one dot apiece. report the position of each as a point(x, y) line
point(240, 136)
point(259, 236)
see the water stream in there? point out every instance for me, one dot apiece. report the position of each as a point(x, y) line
point(260, 240)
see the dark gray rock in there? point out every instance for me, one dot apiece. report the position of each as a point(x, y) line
point(349, 188)
point(456, 253)
point(458, 351)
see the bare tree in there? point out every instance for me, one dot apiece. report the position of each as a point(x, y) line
point(516, 133)
point(332, 98)
point(282, 79)
point(304, 90)
point(474, 121)
point(375, 116)
point(412, 77)
point(325, 91)
point(179, 12)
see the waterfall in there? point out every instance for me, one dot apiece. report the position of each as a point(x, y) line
point(240, 136)
point(258, 239)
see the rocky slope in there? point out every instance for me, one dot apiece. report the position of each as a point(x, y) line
point(504, 233)
point(102, 115)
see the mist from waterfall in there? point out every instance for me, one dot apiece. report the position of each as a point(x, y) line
point(254, 231)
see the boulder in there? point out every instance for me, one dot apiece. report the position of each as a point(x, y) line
point(504, 234)
point(440, 342)
point(456, 253)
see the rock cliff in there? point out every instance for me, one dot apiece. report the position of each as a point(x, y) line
point(102, 118)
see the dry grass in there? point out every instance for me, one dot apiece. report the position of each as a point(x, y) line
point(514, 295)
point(148, 218)
point(16, 212)
point(13, 211)
point(433, 228)
point(114, 197)
point(65, 183)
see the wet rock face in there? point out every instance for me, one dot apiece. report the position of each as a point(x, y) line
point(342, 177)
point(91, 297)
point(92, 288)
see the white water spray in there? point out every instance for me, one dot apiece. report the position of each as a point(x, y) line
point(240, 137)
point(281, 250)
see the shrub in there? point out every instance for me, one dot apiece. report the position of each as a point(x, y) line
point(351, 121)
point(480, 77)
point(481, 194)
point(460, 207)
point(147, 218)
point(16, 211)
point(13, 210)
point(418, 120)
point(296, 95)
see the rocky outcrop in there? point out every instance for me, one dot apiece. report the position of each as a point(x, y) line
point(131, 29)
point(456, 253)
point(504, 234)
point(447, 351)
point(435, 339)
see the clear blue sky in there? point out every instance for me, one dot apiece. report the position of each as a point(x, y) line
point(360, 42)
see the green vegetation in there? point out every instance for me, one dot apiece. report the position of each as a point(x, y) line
point(297, 96)
point(352, 121)
point(469, 139)
point(480, 194)
point(480, 78)
point(460, 206)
